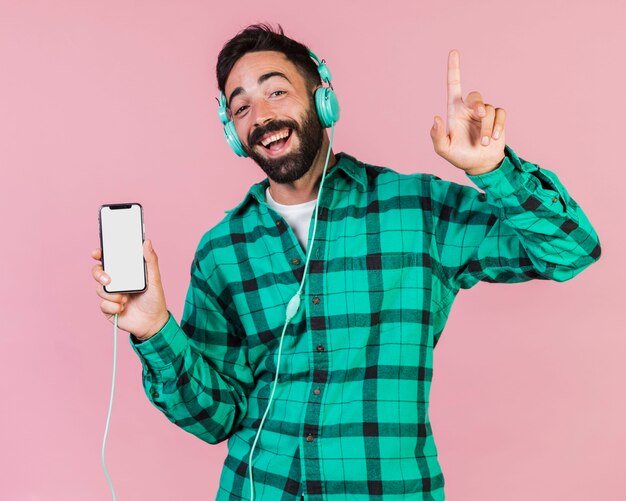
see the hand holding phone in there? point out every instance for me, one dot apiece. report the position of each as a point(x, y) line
point(142, 312)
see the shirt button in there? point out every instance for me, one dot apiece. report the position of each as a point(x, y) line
point(554, 200)
point(320, 347)
point(309, 438)
point(279, 223)
point(155, 394)
point(316, 300)
point(316, 391)
point(295, 261)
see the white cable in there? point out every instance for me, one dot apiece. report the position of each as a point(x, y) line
point(292, 309)
point(106, 429)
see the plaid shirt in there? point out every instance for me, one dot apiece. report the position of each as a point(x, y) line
point(349, 418)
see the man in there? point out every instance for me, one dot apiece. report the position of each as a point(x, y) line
point(387, 255)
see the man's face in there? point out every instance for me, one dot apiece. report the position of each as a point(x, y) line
point(274, 114)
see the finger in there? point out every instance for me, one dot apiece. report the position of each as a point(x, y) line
point(441, 141)
point(114, 298)
point(498, 126)
point(98, 274)
point(486, 125)
point(96, 254)
point(475, 102)
point(111, 308)
point(454, 80)
point(152, 263)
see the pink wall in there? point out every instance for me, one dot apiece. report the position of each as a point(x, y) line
point(114, 101)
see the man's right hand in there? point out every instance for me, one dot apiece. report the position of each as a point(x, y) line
point(142, 314)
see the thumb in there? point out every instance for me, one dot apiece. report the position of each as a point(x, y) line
point(441, 142)
point(152, 263)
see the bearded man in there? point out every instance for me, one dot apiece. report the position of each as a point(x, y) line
point(330, 400)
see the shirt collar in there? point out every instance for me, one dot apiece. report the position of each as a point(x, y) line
point(347, 163)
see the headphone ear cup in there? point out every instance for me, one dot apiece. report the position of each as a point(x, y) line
point(230, 133)
point(327, 106)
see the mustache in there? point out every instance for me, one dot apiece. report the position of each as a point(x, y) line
point(259, 132)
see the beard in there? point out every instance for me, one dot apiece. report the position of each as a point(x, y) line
point(294, 165)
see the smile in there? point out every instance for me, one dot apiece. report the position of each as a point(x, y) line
point(275, 142)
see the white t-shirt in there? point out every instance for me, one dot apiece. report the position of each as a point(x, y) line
point(298, 216)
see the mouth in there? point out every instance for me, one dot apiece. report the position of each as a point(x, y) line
point(275, 143)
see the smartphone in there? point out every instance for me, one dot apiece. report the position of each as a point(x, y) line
point(121, 241)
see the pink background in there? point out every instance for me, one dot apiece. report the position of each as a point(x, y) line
point(113, 101)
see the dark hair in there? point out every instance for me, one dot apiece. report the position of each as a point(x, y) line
point(261, 37)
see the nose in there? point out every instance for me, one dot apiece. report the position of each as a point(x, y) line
point(263, 113)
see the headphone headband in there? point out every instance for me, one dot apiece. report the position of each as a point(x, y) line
point(322, 69)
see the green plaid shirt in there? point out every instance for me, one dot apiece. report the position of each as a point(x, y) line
point(350, 413)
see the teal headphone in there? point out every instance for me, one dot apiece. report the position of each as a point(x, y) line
point(326, 104)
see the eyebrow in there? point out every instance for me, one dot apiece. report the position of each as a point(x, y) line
point(262, 78)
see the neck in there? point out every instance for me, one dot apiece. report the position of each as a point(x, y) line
point(306, 188)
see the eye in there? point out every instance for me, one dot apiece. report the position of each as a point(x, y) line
point(278, 93)
point(240, 110)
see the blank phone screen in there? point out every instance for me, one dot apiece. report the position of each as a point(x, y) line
point(122, 247)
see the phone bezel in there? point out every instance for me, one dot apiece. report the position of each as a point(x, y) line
point(145, 271)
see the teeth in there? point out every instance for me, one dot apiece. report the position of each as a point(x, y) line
point(275, 137)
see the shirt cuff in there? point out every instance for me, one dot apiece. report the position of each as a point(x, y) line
point(506, 179)
point(162, 349)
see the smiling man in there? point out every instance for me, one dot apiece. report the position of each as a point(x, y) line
point(271, 103)
point(314, 307)
point(283, 131)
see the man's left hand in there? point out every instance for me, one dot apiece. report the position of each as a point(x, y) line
point(474, 137)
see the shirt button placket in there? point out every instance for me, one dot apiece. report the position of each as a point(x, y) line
point(317, 316)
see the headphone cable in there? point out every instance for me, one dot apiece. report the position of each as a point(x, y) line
point(106, 429)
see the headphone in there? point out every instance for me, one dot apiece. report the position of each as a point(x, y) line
point(326, 105)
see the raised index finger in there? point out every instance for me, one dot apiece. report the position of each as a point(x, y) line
point(454, 77)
